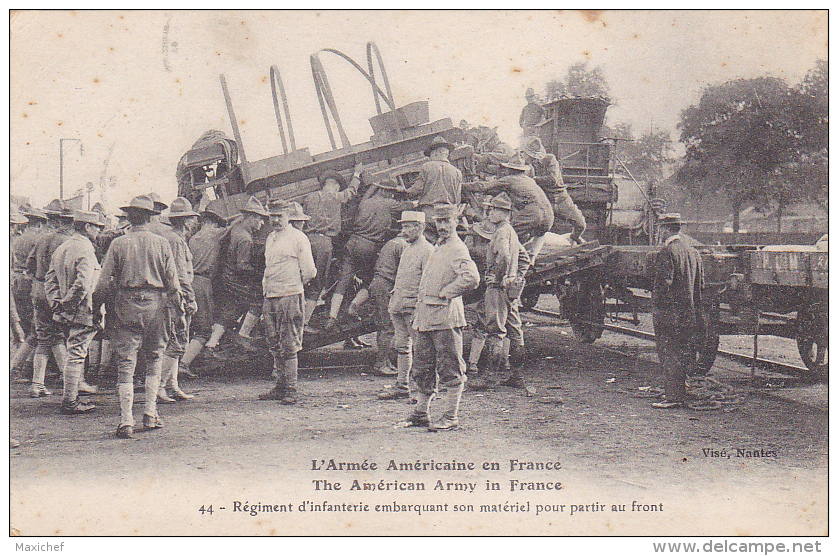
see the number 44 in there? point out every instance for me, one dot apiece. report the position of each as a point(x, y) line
point(204, 510)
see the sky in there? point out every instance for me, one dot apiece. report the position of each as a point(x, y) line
point(138, 88)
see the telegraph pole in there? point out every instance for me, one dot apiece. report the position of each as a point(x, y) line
point(61, 165)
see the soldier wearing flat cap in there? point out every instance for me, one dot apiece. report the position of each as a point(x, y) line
point(69, 285)
point(205, 246)
point(439, 182)
point(179, 316)
point(139, 277)
point(50, 336)
point(326, 222)
point(289, 265)
point(371, 229)
point(240, 277)
point(402, 303)
point(679, 318)
point(438, 322)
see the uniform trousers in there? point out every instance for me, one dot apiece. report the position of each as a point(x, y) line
point(380, 289)
point(284, 324)
point(321, 250)
point(79, 337)
point(204, 317)
point(564, 206)
point(438, 359)
point(48, 332)
point(361, 255)
point(22, 293)
point(531, 221)
point(177, 331)
point(676, 354)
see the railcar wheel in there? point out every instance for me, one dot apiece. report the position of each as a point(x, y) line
point(529, 298)
point(585, 310)
point(813, 338)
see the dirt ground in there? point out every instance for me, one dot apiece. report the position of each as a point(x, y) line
point(227, 449)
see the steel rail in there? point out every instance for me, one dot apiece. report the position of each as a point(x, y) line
point(767, 364)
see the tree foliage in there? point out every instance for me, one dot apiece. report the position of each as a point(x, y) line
point(752, 140)
point(579, 81)
point(646, 156)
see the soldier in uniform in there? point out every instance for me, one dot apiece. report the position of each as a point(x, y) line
point(289, 265)
point(372, 228)
point(324, 207)
point(297, 217)
point(380, 287)
point(16, 223)
point(205, 247)
point(679, 319)
point(69, 288)
point(532, 115)
point(140, 276)
point(240, 278)
point(502, 256)
point(179, 311)
point(50, 335)
point(438, 322)
point(439, 182)
point(402, 303)
point(547, 174)
point(22, 246)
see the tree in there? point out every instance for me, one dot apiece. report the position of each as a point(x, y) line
point(645, 157)
point(742, 140)
point(579, 82)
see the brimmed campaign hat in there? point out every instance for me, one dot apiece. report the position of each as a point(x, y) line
point(388, 183)
point(516, 167)
point(438, 143)
point(181, 208)
point(331, 174)
point(88, 218)
point(297, 213)
point(54, 207)
point(254, 206)
point(216, 210)
point(484, 229)
point(501, 201)
point(159, 205)
point(16, 217)
point(278, 206)
point(142, 203)
point(534, 148)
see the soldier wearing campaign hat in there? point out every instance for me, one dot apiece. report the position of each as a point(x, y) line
point(240, 277)
point(69, 287)
point(679, 319)
point(439, 181)
point(182, 220)
point(438, 322)
point(50, 336)
point(139, 276)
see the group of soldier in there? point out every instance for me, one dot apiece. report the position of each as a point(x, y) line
point(169, 291)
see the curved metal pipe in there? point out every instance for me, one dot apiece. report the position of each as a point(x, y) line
point(276, 83)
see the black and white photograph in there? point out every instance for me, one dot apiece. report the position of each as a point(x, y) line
point(494, 273)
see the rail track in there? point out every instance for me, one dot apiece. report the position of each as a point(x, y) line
point(765, 364)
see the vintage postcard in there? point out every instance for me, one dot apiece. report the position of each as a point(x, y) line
point(491, 273)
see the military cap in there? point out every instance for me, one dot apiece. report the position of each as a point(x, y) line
point(54, 207)
point(216, 209)
point(514, 166)
point(16, 217)
point(533, 147)
point(443, 211)
point(530, 93)
point(412, 216)
point(33, 213)
point(388, 183)
point(484, 229)
point(158, 202)
point(670, 218)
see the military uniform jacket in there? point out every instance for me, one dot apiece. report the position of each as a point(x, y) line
point(439, 182)
point(448, 274)
point(547, 174)
point(502, 255)
point(679, 281)
point(183, 264)
point(240, 277)
point(71, 279)
point(412, 263)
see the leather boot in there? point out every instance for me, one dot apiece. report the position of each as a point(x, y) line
point(451, 406)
